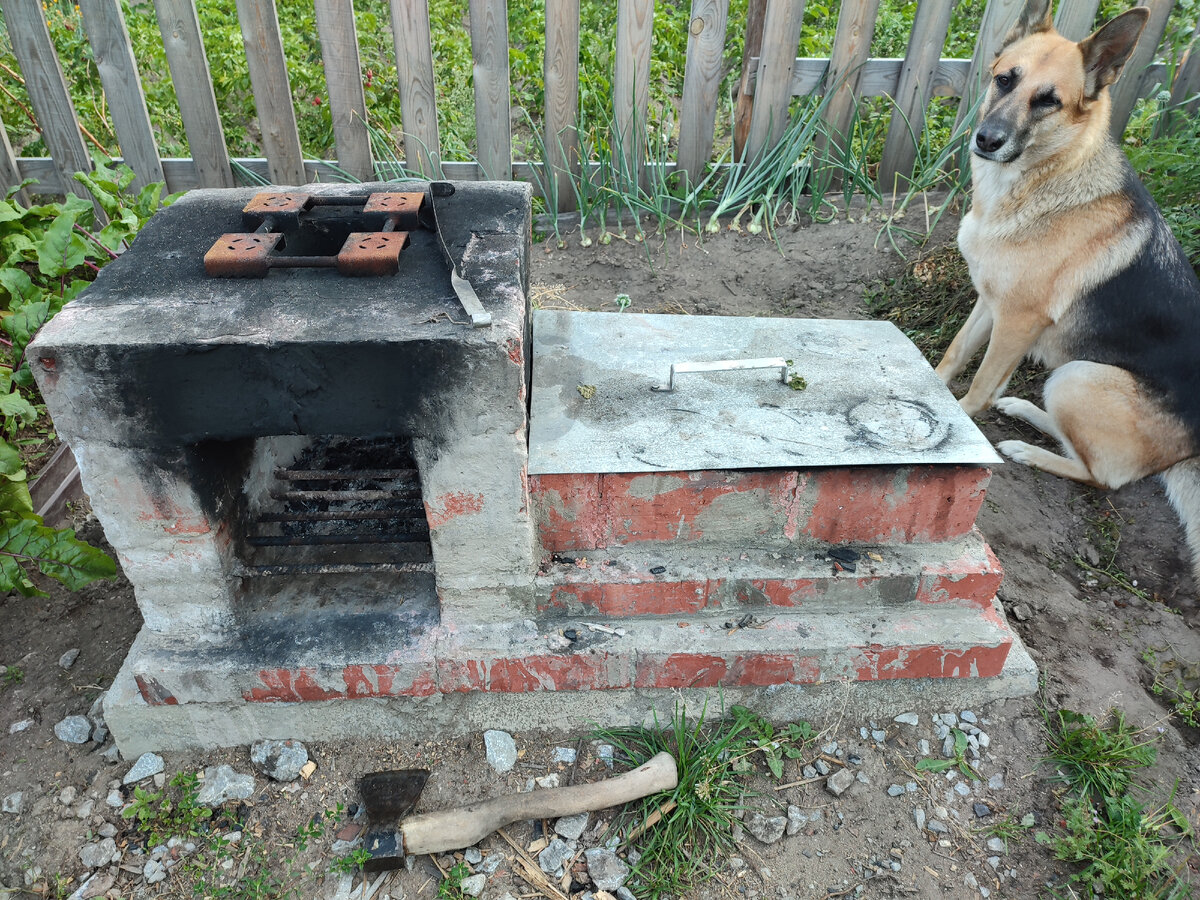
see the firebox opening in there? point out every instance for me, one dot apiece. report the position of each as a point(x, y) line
point(334, 523)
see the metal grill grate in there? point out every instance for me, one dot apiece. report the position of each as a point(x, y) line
point(345, 506)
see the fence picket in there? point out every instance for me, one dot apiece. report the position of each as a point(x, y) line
point(418, 100)
point(10, 174)
point(756, 13)
point(561, 76)
point(701, 84)
point(1185, 90)
point(772, 89)
point(47, 90)
point(1131, 84)
point(343, 78)
point(184, 44)
point(914, 90)
point(631, 76)
point(122, 83)
point(999, 16)
point(1076, 18)
point(848, 55)
point(272, 93)
point(493, 97)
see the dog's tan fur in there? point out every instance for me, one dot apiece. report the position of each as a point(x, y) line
point(1049, 222)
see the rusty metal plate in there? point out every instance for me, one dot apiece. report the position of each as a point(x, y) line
point(275, 204)
point(372, 253)
point(241, 255)
point(394, 202)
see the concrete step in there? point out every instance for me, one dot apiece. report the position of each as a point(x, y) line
point(665, 580)
point(781, 647)
point(771, 508)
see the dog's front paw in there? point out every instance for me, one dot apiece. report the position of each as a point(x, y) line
point(1017, 451)
point(1016, 407)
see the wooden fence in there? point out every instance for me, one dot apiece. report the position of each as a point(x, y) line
point(772, 76)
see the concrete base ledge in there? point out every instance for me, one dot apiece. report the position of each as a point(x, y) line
point(139, 727)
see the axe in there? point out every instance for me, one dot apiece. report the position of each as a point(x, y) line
point(391, 795)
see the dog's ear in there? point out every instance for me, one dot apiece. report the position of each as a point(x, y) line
point(1034, 17)
point(1106, 51)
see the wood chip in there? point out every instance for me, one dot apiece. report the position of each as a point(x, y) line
point(931, 872)
point(531, 871)
point(307, 770)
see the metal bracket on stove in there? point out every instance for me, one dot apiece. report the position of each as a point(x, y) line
point(480, 317)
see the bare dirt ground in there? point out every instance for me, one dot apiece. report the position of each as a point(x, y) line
point(1088, 637)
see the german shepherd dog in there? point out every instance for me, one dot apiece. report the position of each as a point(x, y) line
point(1075, 267)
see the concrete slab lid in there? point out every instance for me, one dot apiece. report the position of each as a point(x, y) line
point(871, 397)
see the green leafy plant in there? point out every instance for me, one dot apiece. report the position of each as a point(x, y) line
point(49, 253)
point(787, 743)
point(958, 761)
point(450, 887)
point(1176, 682)
point(11, 675)
point(1128, 848)
point(165, 814)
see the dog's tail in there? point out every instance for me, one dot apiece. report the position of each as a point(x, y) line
point(1183, 490)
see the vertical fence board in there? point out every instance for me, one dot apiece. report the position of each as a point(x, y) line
point(756, 13)
point(493, 97)
point(44, 81)
point(1129, 87)
point(914, 91)
point(343, 78)
point(10, 175)
point(272, 93)
point(631, 76)
point(772, 88)
point(1075, 18)
point(122, 83)
point(560, 69)
point(998, 19)
point(418, 100)
point(701, 84)
point(1187, 80)
point(180, 29)
point(851, 47)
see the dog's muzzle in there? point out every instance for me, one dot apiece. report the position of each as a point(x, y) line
point(993, 141)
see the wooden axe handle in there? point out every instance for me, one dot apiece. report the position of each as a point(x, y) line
point(453, 829)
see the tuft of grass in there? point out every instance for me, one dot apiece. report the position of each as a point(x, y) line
point(1176, 682)
point(1128, 848)
point(11, 675)
point(684, 847)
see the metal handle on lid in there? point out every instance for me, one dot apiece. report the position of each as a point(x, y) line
point(724, 365)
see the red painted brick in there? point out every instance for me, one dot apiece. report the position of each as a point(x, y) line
point(654, 598)
point(459, 676)
point(154, 693)
point(568, 672)
point(881, 664)
point(869, 504)
point(965, 580)
point(568, 512)
point(680, 670)
point(289, 686)
point(789, 592)
point(447, 507)
point(568, 597)
point(680, 500)
point(765, 669)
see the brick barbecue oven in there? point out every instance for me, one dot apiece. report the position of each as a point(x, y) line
point(360, 489)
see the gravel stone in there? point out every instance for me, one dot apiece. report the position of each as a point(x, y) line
point(552, 858)
point(937, 827)
point(93, 856)
point(967, 716)
point(767, 829)
point(279, 760)
point(68, 659)
point(473, 856)
point(572, 827)
point(115, 799)
point(822, 767)
point(84, 809)
point(830, 748)
point(608, 872)
point(501, 750)
point(879, 736)
point(908, 719)
point(962, 789)
point(948, 747)
point(919, 818)
point(910, 786)
point(984, 739)
point(20, 726)
point(839, 782)
point(996, 845)
point(565, 755)
point(154, 872)
point(994, 862)
point(12, 803)
point(808, 772)
point(67, 795)
point(923, 747)
point(222, 784)
point(108, 829)
point(473, 885)
point(624, 893)
point(982, 810)
point(895, 790)
point(147, 764)
point(796, 820)
point(604, 752)
point(862, 776)
point(73, 730)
